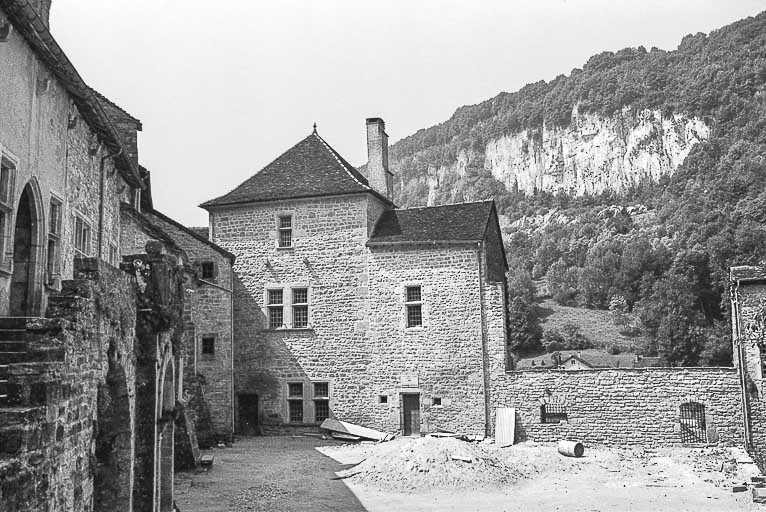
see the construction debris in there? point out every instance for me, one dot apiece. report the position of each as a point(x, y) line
point(350, 432)
point(432, 462)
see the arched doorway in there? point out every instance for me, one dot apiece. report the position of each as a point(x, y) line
point(26, 281)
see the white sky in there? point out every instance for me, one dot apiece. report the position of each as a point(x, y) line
point(222, 88)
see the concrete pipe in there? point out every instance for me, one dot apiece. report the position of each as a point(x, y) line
point(571, 448)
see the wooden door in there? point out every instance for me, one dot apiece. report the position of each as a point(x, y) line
point(410, 414)
point(248, 415)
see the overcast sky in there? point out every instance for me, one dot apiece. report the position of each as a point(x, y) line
point(222, 88)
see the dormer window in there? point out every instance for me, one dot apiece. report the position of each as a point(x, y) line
point(285, 231)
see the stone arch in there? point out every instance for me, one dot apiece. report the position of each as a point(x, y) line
point(28, 253)
point(166, 433)
point(114, 440)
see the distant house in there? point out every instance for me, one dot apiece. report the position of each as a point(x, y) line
point(588, 359)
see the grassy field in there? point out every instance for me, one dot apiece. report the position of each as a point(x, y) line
point(596, 325)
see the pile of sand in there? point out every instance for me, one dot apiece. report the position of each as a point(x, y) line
point(428, 463)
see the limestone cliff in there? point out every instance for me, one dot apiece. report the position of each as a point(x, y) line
point(593, 154)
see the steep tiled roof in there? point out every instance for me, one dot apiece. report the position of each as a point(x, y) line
point(310, 168)
point(464, 222)
point(113, 106)
point(34, 30)
point(201, 232)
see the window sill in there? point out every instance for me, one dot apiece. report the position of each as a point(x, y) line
point(284, 329)
point(414, 330)
point(290, 248)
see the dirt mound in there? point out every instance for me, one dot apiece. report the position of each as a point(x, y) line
point(431, 462)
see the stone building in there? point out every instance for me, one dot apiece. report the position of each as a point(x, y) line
point(97, 329)
point(346, 306)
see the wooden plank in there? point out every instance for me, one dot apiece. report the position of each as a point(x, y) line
point(354, 430)
point(505, 426)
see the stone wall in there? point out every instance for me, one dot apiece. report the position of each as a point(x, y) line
point(630, 406)
point(748, 301)
point(68, 441)
point(211, 308)
point(59, 160)
point(444, 356)
point(329, 258)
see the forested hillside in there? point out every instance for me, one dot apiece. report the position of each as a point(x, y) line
point(661, 267)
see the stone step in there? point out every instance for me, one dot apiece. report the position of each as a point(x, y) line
point(12, 346)
point(20, 415)
point(13, 334)
point(15, 322)
point(13, 357)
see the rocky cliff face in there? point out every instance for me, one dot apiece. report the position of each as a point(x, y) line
point(592, 155)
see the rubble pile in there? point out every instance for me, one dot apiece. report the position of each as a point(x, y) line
point(431, 462)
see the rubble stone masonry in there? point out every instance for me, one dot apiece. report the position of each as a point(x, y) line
point(622, 406)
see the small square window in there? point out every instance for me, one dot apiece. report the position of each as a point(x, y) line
point(285, 228)
point(321, 389)
point(208, 270)
point(437, 400)
point(295, 389)
point(553, 413)
point(413, 294)
point(382, 399)
point(296, 411)
point(321, 410)
point(208, 345)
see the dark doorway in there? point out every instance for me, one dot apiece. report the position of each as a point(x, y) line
point(21, 301)
point(248, 415)
point(410, 414)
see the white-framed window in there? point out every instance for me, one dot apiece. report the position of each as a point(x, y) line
point(53, 263)
point(276, 308)
point(321, 401)
point(413, 306)
point(300, 297)
point(288, 306)
point(7, 179)
point(295, 402)
point(284, 231)
point(82, 234)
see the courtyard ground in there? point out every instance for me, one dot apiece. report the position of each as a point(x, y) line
point(282, 474)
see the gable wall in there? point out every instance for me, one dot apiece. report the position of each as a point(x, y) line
point(329, 257)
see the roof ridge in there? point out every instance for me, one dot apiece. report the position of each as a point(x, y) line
point(443, 205)
point(339, 160)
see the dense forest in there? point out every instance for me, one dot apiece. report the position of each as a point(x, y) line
point(663, 271)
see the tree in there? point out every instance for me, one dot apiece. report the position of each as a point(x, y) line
point(524, 329)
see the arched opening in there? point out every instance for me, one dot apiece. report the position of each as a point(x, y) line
point(26, 281)
point(166, 432)
point(114, 441)
point(693, 425)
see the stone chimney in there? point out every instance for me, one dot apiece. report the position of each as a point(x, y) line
point(43, 8)
point(380, 178)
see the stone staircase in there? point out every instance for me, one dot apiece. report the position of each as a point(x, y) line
point(31, 359)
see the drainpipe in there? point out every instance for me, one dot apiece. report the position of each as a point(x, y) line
point(484, 353)
point(102, 193)
point(231, 338)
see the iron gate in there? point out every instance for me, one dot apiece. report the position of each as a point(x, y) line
point(693, 429)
